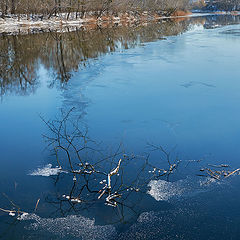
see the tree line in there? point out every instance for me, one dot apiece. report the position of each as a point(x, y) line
point(98, 8)
point(81, 7)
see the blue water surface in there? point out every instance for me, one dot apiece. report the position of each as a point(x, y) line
point(178, 89)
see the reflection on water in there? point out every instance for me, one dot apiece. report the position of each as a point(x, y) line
point(234, 32)
point(220, 20)
point(64, 53)
point(18, 65)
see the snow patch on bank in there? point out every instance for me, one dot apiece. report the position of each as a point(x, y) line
point(13, 26)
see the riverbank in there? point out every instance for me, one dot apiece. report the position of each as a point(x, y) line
point(23, 24)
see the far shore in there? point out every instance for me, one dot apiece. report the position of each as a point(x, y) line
point(23, 24)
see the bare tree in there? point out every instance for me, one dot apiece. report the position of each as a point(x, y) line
point(79, 7)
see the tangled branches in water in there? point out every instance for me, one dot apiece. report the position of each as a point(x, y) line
point(88, 176)
point(120, 174)
point(218, 172)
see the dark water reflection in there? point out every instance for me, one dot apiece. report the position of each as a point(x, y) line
point(64, 53)
point(173, 83)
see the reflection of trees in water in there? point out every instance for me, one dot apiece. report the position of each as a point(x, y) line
point(18, 65)
point(63, 53)
point(221, 20)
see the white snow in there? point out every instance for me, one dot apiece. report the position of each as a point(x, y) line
point(22, 216)
point(12, 214)
point(46, 171)
point(14, 26)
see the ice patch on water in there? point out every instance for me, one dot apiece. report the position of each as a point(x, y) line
point(162, 190)
point(208, 181)
point(156, 225)
point(147, 217)
point(46, 171)
point(76, 226)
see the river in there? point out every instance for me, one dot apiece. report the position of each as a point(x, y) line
point(162, 96)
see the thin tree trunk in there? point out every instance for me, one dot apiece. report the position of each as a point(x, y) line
point(13, 7)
